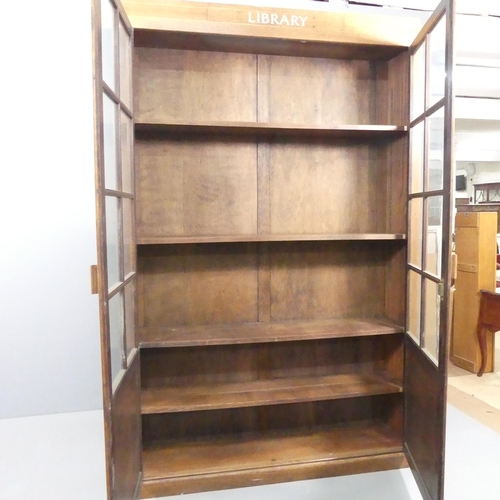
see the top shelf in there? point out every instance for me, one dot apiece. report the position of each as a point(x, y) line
point(270, 130)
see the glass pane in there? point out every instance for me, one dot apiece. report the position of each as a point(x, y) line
point(126, 147)
point(437, 69)
point(116, 334)
point(128, 236)
point(434, 229)
point(430, 337)
point(108, 42)
point(418, 82)
point(125, 67)
point(414, 286)
point(112, 241)
point(415, 232)
point(130, 316)
point(417, 142)
point(109, 130)
point(435, 154)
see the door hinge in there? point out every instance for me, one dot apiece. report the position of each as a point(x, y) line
point(441, 290)
point(94, 280)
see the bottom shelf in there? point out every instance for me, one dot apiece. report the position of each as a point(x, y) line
point(186, 467)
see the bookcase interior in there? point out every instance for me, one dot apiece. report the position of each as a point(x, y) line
point(271, 232)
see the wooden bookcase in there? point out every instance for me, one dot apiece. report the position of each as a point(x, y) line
point(271, 177)
point(271, 253)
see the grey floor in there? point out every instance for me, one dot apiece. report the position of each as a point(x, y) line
point(60, 457)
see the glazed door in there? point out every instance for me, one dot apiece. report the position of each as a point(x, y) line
point(429, 249)
point(116, 276)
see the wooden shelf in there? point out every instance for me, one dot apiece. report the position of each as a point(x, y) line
point(256, 238)
point(253, 333)
point(254, 456)
point(270, 130)
point(265, 392)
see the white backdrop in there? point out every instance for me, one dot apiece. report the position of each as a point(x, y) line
point(49, 351)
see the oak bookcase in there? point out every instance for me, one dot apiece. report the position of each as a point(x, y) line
point(270, 226)
point(271, 177)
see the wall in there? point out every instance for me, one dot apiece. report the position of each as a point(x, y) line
point(50, 354)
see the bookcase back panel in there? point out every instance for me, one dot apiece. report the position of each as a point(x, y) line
point(197, 284)
point(318, 91)
point(190, 86)
point(319, 187)
point(181, 367)
point(322, 280)
point(235, 283)
point(227, 186)
point(285, 418)
point(195, 86)
point(187, 187)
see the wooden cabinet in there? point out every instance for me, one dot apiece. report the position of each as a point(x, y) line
point(271, 192)
point(476, 242)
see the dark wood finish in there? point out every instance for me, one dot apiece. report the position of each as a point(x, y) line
point(187, 187)
point(102, 278)
point(173, 279)
point(233, 238)
point(227, 80)
point(338, 92)
point(221, 457)
point(248, 333)
point(268, 451)
point(263, 130)
point(424, 419)
point(271, 475)
point(487, 188)
point(425, 378)
point(489, 320)
point(268, 367)
point(295, 472)
point(126, 442)
point(271, 248)
point(210, 188)
point(264, 392)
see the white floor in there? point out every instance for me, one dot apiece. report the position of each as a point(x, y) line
point(60, 457)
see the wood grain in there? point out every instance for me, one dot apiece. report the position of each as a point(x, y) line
point(197, 285)
point(270, 475)
point(338, 92)
point(267, 450)
point(187, 188)
point(264, 392)
point(322, 280)
point(316, 187)
point(248, 363)
point(247, 333)
point(191, 86)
